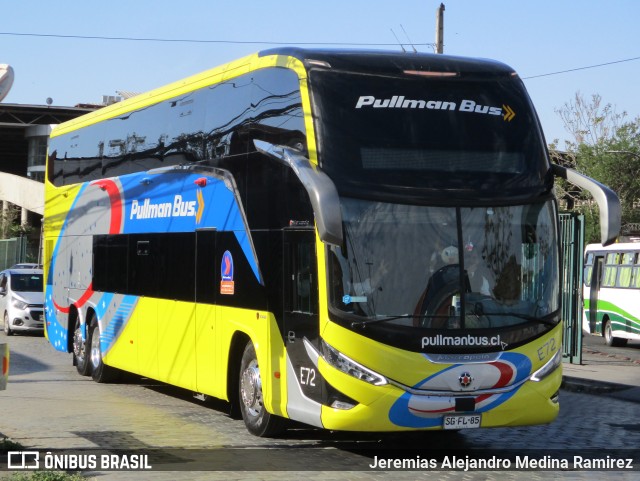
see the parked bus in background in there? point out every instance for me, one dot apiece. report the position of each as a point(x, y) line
point(611, 292)
point(361, 241)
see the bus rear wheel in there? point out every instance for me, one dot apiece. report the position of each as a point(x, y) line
point(609, 339)
point(100, 372)
point(257, 419)
point(80, 358)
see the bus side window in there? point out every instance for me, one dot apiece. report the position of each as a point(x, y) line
point(624, 276)
point(635, 272)
point(635, 281)
point(302, 282)
point(302, 299)
point(624, 279)
point(588, 269)
point(610, 270)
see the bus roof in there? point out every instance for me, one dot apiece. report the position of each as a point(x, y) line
point(341, 59)
point(620, 246)
point(377, 60)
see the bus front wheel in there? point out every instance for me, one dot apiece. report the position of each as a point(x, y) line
point(609, 339)
point(257, 419)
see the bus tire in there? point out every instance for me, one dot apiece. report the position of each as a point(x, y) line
point(80, 351)
point(610, 340)
point(257, 419)
point(233, 377)
point(99, 371)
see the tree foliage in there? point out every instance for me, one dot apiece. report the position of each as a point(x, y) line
point(604, 145)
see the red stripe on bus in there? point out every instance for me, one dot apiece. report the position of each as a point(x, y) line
point(113, 192)
point(81, 302)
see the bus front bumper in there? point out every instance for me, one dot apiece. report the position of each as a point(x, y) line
point(390, 408)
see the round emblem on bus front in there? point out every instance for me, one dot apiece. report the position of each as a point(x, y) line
point(465, 379)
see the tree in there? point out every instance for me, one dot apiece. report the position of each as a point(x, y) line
point(589, 122)
point(604, 146)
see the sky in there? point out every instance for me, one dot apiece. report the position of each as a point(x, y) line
point(538, 38)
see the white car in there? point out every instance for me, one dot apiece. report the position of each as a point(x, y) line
point(26, 265)
point(21, 300)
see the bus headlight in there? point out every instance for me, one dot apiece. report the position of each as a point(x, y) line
point(548, 368)
point(351, 367)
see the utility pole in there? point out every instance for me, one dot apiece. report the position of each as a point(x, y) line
point(440, 29)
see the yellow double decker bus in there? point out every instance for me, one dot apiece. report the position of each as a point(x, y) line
point(354, 240)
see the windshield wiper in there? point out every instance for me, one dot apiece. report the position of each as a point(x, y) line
point(542, 320)
point(366, 322)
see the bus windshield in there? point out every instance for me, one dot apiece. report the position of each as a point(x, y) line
point(408, 132)
point(445, 267)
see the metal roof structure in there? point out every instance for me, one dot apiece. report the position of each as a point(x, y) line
point(15, 119)
point(19, 122)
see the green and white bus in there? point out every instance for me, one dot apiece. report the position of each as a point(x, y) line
point(611, 291)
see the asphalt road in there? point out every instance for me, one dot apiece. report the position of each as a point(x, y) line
point(48, 406)
point(596, 343)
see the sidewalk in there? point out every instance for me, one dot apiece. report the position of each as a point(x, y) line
point(599, 373)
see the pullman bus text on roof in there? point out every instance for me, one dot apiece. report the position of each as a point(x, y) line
point(400, 102)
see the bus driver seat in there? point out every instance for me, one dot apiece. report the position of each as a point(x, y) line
point(434, 307)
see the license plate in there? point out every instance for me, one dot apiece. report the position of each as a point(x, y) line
point(461, 421)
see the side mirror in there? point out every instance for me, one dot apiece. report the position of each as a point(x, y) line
point(321, 189)
point(607, 200)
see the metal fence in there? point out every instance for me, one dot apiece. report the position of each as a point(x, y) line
point(571, 250)
point(16, 250)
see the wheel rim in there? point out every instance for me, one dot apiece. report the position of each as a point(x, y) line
point(96, 356)
point(607, 332)
point(6, 323)
point(78, 345)
point(251, 389)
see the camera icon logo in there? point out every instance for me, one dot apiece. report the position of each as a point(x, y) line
point(23, 460)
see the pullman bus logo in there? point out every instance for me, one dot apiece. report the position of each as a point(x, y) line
point(146, 209)
point(465, 105)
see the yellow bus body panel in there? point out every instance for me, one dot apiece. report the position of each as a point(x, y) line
point(161, 342)
point(374, 403)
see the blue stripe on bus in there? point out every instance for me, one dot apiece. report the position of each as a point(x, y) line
point(115, 325)
point(401, 415)
point(170, 201)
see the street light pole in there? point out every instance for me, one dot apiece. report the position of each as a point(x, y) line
point(440, 29)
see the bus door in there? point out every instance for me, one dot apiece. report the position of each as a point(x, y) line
point(300, 289)
point(594, 291)
point(207, 283)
